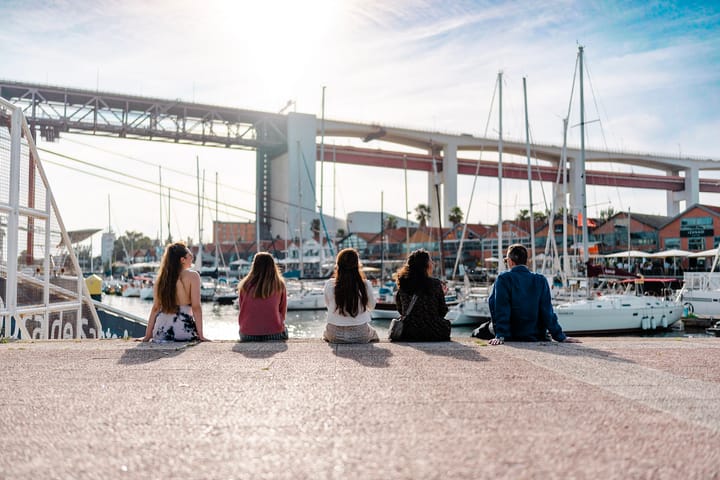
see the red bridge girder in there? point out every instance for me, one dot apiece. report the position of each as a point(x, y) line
point(511, 170)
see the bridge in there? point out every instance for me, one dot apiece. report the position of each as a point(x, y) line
point(285, 144)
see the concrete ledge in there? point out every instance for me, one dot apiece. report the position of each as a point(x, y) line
point(606, 408)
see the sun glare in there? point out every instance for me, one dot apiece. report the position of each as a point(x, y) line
point(276, 27)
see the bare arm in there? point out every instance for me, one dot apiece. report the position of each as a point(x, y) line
point(151, 319)
point(372, 301)
point(195, 303)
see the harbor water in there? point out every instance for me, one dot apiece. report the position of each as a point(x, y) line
point(221, 323)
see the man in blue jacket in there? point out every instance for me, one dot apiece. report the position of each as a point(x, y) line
point(520, 304)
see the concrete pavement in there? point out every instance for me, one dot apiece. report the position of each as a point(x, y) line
point(606, 408)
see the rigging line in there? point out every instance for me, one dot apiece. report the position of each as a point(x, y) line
point(537, 165)
point(472, 190)
point(67, 157)
point(145, 162)
point(572, 88)
point(602, 130)
point(143, 189)
point(74, 159)
point(322, 217)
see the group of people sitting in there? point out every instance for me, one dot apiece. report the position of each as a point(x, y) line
point(520, 302)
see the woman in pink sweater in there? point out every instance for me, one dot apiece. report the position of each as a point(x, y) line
point(263, 302)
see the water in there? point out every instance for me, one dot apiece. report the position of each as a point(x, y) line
point(220, 321)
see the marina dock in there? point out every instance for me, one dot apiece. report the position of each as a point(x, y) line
point(605, 408)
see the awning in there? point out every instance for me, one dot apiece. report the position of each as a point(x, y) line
point(670, 253)
point(77, 236)
point(629, 254)
point(707, 253)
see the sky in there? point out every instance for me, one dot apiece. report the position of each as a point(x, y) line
point(652, 85)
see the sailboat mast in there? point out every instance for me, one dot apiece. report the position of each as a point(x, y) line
point(529, 173)
point(439, 215)
point(198, 260)
point(583, 196)
point(215, 226)
point(382, 238)
point(160, 238)
point(168, 215)
point(322, 151)
point(500, 175)
point(300, 224)
point(407, 210)
point(565, 259)
point(628, 230)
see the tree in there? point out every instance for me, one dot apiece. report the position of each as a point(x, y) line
point(391, 222)
point(523, 214)
point(605, 214)
point(422, 214)
point(456, 215)
point(541, 216)
point(127, 244)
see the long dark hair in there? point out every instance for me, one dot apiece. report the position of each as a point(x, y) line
point(264, 276)
point(350, 290)
point(168, 275)
point(413, 277)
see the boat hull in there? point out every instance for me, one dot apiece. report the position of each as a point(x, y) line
point(617, 314)
point(702, 302)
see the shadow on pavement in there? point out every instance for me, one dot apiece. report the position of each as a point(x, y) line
point(150, 352)
point(366, 354)
point(260, 349)
point(568, 350)
point(451, 349)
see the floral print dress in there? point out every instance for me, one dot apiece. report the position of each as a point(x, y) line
point(179, 326)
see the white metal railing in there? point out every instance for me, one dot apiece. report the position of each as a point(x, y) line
point(42, 291)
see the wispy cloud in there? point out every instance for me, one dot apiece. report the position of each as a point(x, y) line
point(654, 66)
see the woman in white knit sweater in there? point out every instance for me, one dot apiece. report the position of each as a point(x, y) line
point(349, 298)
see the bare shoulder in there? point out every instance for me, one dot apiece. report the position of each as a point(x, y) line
point(189, 276)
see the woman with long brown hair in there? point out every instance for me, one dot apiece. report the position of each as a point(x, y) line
point(176, 314)
point(426, 321)
point(262, 301)
point(349, 298)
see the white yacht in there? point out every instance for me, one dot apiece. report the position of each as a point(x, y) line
point(617, 313)
point(473, 309)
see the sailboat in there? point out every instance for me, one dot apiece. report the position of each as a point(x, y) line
point(615, 312)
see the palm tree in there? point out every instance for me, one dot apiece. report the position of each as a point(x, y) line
point(541, 216)
point(391, 222)
point(524, 214)
point(422, 214)
point(605, 214)
point(456, 215)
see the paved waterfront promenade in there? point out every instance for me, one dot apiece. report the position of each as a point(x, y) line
point(606, 408)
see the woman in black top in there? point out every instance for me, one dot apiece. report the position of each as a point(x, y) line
point(426, 322)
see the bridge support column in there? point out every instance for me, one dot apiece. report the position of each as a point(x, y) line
point(691, 194)
point(292, 177)
point(446, 181)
